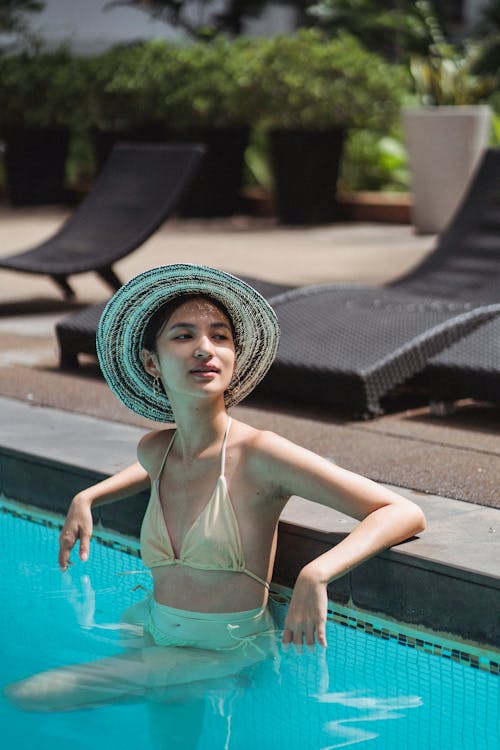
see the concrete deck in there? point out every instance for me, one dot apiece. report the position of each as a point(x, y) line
point(54, 425)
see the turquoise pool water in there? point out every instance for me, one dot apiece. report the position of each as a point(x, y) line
point(376, 687)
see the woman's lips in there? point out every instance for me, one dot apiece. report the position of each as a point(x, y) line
point(204, 371)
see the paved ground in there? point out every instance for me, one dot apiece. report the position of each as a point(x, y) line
point(458, 457)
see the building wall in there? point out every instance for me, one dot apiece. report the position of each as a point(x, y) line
point(88, 28)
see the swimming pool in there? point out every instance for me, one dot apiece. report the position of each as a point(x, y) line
point(378, 686)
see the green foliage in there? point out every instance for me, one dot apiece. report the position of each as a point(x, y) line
point(124, 88)
point(488, 58)
point(300, 81)
point(394, 29)
point(182, 85)
point(372, 162)
point(447, 77)
point(447, 74)
point(257, 161)
point(307, 81)
point(488, 31)
point(41, 89)
point(213, 84)
point(494, 103)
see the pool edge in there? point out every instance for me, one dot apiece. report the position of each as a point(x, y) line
point(49, 455)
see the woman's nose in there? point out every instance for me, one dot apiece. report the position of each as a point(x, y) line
point(203, 349)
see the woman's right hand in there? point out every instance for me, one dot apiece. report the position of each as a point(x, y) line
point(78, 525)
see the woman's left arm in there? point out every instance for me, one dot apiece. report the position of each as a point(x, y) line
point(386, 518)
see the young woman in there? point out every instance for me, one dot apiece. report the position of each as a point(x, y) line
point(184, 343)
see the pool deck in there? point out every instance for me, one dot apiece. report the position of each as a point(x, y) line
point(54, 427)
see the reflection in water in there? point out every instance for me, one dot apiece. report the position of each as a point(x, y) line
point(380, 709)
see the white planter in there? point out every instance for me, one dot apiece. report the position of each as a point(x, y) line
point(444, 146)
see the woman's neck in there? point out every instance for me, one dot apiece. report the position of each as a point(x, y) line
point(198, 428)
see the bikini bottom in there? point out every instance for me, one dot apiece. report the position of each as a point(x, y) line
point(214, 631)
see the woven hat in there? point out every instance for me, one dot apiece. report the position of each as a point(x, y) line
point(123, 322)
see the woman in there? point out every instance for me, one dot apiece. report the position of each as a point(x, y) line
point(184, 343)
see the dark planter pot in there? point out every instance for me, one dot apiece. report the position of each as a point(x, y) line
point(103, 140)
point(305, 167)
point(216, 189)
point(35, 163)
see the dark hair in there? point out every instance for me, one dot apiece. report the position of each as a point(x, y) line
point(160, 317)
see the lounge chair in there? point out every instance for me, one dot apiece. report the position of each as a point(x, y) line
point(350, 345)
point(468, 369)
point(471, 367)
point(136, 191)
point(76, 332)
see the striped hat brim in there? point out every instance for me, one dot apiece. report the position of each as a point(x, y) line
point(125, 317)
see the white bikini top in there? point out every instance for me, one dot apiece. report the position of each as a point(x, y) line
point(212, 542)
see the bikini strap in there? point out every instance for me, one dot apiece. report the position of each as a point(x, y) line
point(256, 577)
point(223, 450)
point(169, 446)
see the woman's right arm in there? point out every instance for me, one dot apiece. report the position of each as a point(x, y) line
point(78, 524)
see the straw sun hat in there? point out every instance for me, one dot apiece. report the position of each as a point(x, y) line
point(123, 322)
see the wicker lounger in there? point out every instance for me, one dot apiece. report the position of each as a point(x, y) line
point(136, 191)
point(467, 267)
point(349, 347)
point(465, 264)
point(468, 369)
point(352, 348)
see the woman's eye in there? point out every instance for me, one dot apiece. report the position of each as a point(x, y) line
point(182, 336)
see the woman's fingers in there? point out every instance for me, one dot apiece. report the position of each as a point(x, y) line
point(67, 541)
point(84, 546)
point(321, 635)
point(300, 635)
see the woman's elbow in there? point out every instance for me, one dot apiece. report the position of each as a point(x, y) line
point(416, 519)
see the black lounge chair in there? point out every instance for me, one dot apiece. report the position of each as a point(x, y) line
point(136, 191)
point(471, 367)
point(76, 332)
point(468, 369)
point(350, 345)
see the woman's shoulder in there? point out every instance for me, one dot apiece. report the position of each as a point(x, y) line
point(152, 447)
point(267, 448)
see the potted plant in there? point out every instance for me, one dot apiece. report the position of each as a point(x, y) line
point(125, 95)
point(212, 104)
point(191, 91)
point(448, 129)
point(312, 91)
point(41, 96)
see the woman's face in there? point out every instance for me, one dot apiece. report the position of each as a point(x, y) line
point(194, 352)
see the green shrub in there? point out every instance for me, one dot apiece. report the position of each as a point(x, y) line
point(372, 162)
point(190, 85)
point(307, 81)
point(41, 89)
point(127, 85)
point(215, 84)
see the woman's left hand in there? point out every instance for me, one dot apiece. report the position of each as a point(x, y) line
point(306, 618)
